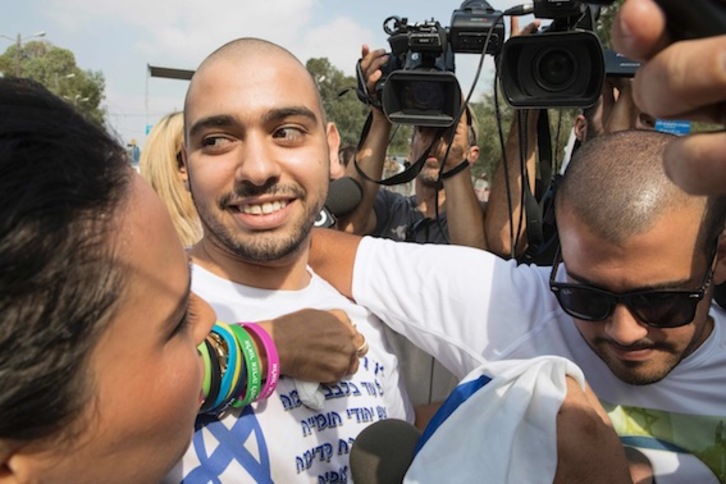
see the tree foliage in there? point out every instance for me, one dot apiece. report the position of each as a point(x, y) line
point(605, 22)
point(343, 107)
point(56, 69)
point(488, 137)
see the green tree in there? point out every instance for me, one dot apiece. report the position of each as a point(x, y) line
point(343, 107)
point(488, 140)
point(345, 110)
point(56, 69)
point(605, 22)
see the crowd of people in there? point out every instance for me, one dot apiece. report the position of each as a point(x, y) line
point(605, 365)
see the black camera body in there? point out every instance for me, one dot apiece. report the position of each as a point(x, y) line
point(562, 66)
point(418, 84)
point(617, 65)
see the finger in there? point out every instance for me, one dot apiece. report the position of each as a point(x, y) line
point(513, 26)
point(364, 50)
point(354, 365)
point(372, 58)
point(342, 316)
point(624, 114)
point(362, 349)
point(639, 29)
point(531, 28)
point(685, 76)
point(696, 163)
point(378, 58)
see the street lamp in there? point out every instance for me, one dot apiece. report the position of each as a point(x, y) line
point(77, 99)
point(19, 46)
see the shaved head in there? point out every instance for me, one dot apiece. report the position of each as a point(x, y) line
point(616, 185)
point(246, 51)
point(257, 151)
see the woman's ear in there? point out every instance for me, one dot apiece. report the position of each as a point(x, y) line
point(181, 158)
point(12, 463)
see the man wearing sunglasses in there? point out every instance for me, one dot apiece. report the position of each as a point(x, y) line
point(628, 299)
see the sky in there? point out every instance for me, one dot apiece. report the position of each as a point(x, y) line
point(121, 37)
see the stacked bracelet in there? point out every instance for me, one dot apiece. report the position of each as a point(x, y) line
point(273, 359)
point(233, 366)
point(254, 373)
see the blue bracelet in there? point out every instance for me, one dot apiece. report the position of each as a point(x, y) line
point(232, 356)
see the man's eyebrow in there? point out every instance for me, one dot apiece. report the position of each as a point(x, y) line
point(279, 114)
point(217, 121)
point(676, 284)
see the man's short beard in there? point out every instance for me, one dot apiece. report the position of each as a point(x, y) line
point(430, 181)
point(260, 247)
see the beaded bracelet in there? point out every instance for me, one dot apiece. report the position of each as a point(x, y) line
point(215, 373)
point(254, 373)
point(273, 359)
point(232, 370)
point(207, 380)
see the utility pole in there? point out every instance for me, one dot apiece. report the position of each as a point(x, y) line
point(19, 49)
point(18, 55)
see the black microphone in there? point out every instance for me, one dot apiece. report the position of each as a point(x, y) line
point(344, 194)
point(383, 452)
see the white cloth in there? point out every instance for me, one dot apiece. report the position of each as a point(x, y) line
point(501, 425)
point(280, 439)
point(468, 307)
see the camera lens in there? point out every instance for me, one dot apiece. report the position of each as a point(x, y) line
point(555, 70)
point(424, 95)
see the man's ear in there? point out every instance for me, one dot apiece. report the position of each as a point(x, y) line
point(472, 154)
point(580, 127)
point(333, 140)
point(719, 272)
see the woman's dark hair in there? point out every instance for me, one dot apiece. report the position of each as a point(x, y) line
point(62, 180)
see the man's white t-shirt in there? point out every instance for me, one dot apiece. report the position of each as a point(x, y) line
point(280, 439)
point(469, 307)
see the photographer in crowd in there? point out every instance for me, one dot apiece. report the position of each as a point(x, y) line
point(440, 211)
point(614, 111)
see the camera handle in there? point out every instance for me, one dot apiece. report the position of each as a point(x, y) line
point(363, 94)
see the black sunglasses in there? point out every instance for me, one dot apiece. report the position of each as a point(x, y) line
point(658, 308)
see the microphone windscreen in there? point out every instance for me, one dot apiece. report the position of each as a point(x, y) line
point(344, 194)
point(383, 452)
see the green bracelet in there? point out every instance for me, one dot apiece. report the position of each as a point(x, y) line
point(254, 370)
point(207, 381)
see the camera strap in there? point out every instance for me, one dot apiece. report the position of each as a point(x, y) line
point(541, 225)
point(533, 202)
point(404, 177)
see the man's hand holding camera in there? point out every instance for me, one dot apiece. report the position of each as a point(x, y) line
point(370, 68)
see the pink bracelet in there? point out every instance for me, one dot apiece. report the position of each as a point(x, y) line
point(273, 359)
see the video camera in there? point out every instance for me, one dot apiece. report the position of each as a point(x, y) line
point(418, 84)
point(562, 66)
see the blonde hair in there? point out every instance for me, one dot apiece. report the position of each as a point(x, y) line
point(159, 165)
